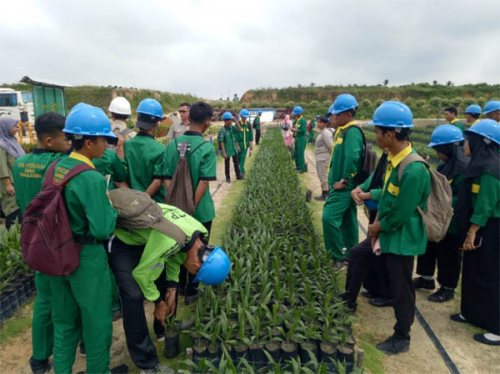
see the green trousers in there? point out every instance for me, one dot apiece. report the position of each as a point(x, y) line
point(42, 330)
point(242, 155)
point(81, 305)
point(340, 223)
point(299, 153)
point(311, 137)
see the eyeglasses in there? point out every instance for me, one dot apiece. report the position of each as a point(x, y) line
point(182, 111)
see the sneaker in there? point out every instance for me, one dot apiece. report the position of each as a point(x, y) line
point(458, 318)
point(338, 265)
point(367, 294)
point(82, 350)
point(309, 196)
point(424, 283)
point(483, 338)
point(241, 178)
point(381, 301)
point(393, 346)
point(228, 180)
point(442, 295)
point(40, 366)
point(160, 338)
point(320, 198)
point(120, 369)
point(158, 369)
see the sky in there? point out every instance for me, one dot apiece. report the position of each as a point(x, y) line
point(217, 48)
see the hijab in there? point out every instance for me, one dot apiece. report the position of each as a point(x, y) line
point(287, 119)
point(457, 160)
point(7, 140)
point(485, 159)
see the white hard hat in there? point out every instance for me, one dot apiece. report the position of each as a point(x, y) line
point(120, 105)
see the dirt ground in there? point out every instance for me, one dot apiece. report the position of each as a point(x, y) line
point(468, 355)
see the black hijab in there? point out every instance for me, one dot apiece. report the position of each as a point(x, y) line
point(485, 159)
point(457, 160)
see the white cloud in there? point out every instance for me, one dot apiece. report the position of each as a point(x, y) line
point(212, 48)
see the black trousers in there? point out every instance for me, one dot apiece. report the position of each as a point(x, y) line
point(227, 165)
point(400, 270)
point(123, 259)
point(11, 218)
point(365, 267)
point(257, 137)
point(448, 257)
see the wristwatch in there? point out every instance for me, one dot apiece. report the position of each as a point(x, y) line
point(344, 181)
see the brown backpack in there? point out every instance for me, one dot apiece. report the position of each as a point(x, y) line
point(180, 192)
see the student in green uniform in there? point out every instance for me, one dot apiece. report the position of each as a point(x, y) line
point(472, 114)
point(28, 175)
point(447, 141)
point(256, 126)
point(492, 110)
point(450, 114)
point(245, 139)
point(479, 221)
point(113, 167)
point(399, 227)
point(81, 302)
point(311, 130)
point(10, 150)
point(138, 257)
point(299, 128)
point(144, 155)
point(340, 223)
point(203, 169)
point(229, 147)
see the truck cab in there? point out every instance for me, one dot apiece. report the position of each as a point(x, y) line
point(13, 103)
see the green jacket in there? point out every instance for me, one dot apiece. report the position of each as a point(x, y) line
point(245, 135)
point(110, 164)
point(160, 251)
point(301, 125)
point(347, 152)
point(256, 123)
point(202, 166)
point(403, 229)
point(145, 162)
point(89, 211)
point(458, 124)
point(485, 199)
point(226, 135)
point(28, 172)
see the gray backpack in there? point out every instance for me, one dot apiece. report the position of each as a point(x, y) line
point(439, 212)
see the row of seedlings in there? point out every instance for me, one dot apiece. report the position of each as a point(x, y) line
point(17, 282)
point(280, 306)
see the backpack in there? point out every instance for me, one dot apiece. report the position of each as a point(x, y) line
point(369, 159)
point(439, 212)
point(180, 192)
point(309, 126)
point(47, 242)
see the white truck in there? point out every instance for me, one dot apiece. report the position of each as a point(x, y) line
point(17, 104)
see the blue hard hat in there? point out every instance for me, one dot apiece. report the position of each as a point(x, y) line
point(343, 103)
point(392, 114)
point(318, 116)
point(150, 107)
point(215, 268)
point(330, 110)
point(85, 119)
point(227, 115)
point(446, 134)
point(372, 205)
point(492, 106)
point(244, 113)
point(487, 128)
point(259, 112)
point(473, 109)
point(297, 110)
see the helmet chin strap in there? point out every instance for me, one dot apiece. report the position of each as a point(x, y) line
point(204, 251)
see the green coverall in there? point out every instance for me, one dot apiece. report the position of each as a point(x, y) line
point(458, 124)
point(340, 223)
point(28, 173)
point(245, 137)
point(81, 302)
point(300, 143)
